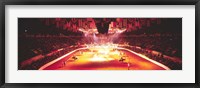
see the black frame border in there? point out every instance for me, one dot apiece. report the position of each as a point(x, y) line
point(3, 3)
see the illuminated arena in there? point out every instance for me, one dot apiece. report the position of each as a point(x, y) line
point(100, 43)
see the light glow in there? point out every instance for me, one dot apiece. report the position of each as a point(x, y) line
point(98, 58)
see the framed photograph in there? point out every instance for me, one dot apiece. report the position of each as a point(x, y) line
point(100, 43)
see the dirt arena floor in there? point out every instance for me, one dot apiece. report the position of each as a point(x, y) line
point(103, 60)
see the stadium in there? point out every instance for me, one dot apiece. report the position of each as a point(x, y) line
point(99, 43)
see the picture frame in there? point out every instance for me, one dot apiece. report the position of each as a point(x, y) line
point(98, 2)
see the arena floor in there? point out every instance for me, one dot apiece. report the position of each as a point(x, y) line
point(100, 59)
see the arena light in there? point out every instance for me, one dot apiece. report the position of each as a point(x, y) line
point(88, 31)
point(98, 58)
point(103, 51)
point(116, 30)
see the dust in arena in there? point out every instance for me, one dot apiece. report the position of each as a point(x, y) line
point(99, 43)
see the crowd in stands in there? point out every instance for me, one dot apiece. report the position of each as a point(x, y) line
point(47, 58)
point(159, 57)
point(168, 45)
point(32, 46)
